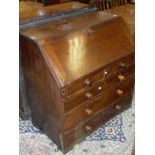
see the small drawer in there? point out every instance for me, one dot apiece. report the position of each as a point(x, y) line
point(119, 76)
point(84, 82)
point(83, 130)
point(94, 77)
point(98, 88)
point(119, 65)
point(96, 105)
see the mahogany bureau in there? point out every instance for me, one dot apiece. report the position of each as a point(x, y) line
point(33, 13)
point(79, 73)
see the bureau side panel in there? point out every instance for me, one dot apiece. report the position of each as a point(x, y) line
point(43, 91)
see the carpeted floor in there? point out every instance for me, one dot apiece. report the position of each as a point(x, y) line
point(113, 138)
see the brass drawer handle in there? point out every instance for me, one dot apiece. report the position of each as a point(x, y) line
point(119, 92)
point(118, 107)
point(121, 77)
point(88, 128)
point(87, 82)
point(88, 95)
point(88, 111)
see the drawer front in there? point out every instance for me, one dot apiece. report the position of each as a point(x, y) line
point(88, 127)
point(83, 97)
point(119, 76)
point(118, 65)
point(90, 79)
point(98, 88)
point(95, 106)
point(84, 82)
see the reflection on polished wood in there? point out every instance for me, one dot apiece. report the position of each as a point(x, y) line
point(76, 53)
point(32, 12)
point(73, 55)
point(75, 58)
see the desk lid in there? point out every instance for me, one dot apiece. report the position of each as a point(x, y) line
point(96, 40)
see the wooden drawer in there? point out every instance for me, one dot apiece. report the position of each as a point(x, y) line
point(84, 96)
point(96, 105)
point(88, 94)
point(82, 131)
point(119, 76)
point(90, 79)
point(84, 82)
point(118, 65)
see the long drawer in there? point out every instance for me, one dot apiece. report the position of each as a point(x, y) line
point(82, 131)
point(88, 94)
point(98, 104)
point(90, 79)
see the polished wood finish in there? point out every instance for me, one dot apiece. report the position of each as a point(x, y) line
point(30, 12)
point(79, 133)
point(72, 70)
point(127, 12)
point(98, 88)
point(122, 64)
point(49, 11)
point(96, 105)
point(88, 111)
point(29, 6)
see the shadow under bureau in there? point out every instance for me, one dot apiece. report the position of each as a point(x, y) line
point(79, 73)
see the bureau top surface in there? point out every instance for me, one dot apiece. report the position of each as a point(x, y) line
point(29, 6)
point(85, 44)
point(40, 12)
point(127, 12)
point(65, 26)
